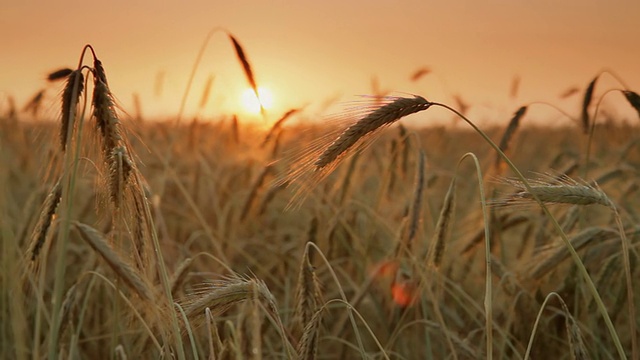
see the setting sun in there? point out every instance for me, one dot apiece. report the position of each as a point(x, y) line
point(251, 103)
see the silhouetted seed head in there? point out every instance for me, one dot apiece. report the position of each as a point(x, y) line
point(515, 86)
point(205, 93)
point(277, 125)
point(34, 104)
point(246, 66)
point(634, 99)
point(100, 74)
point(511, 129)
point(70, 99)
point(59, 74)
point(420, 73)
point(588, 95)
point(570, 91)
point(382, 116)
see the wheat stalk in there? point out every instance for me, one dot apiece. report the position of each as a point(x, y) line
point(418, 74)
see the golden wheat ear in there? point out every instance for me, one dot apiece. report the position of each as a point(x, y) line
point(384, 115)
point(112, 257)
point(562, 191)
point(115, 150)
point(351, 132)
point(45, 220)
point(70, 99)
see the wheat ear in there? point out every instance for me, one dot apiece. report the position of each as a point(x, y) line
point(70, 98)
point(443, 227)
point(308, 294)
point(220, 296)
point(563, 191)
point(416, 208)
point(122, 268)
point(114, 148)
point(43, 225)
point(509, 132)
point(586, 101)
point(634, 99)
point(384, 115)
point(246, 66)
point(59, 74)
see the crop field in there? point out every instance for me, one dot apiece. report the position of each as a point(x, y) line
point(361, 237)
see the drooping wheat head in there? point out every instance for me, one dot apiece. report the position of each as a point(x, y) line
point(121, 267)
point(393, 110)
point(70, 99)
point(115, 151)
point(357, 129)
point(561, 190)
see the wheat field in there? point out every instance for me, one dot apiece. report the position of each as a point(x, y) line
point(127, 238)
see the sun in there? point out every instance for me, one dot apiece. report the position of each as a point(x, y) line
point(250, 102)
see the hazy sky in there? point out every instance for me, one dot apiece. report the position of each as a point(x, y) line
point(309, 51)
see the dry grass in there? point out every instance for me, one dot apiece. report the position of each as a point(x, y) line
point(196, 201)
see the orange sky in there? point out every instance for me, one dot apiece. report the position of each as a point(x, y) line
point(309, 51)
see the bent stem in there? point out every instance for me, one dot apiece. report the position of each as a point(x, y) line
point(574, 255)
point(70, 170)
point(183, 102)
point(488, 292)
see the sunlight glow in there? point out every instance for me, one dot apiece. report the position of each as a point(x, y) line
point(250, 102)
